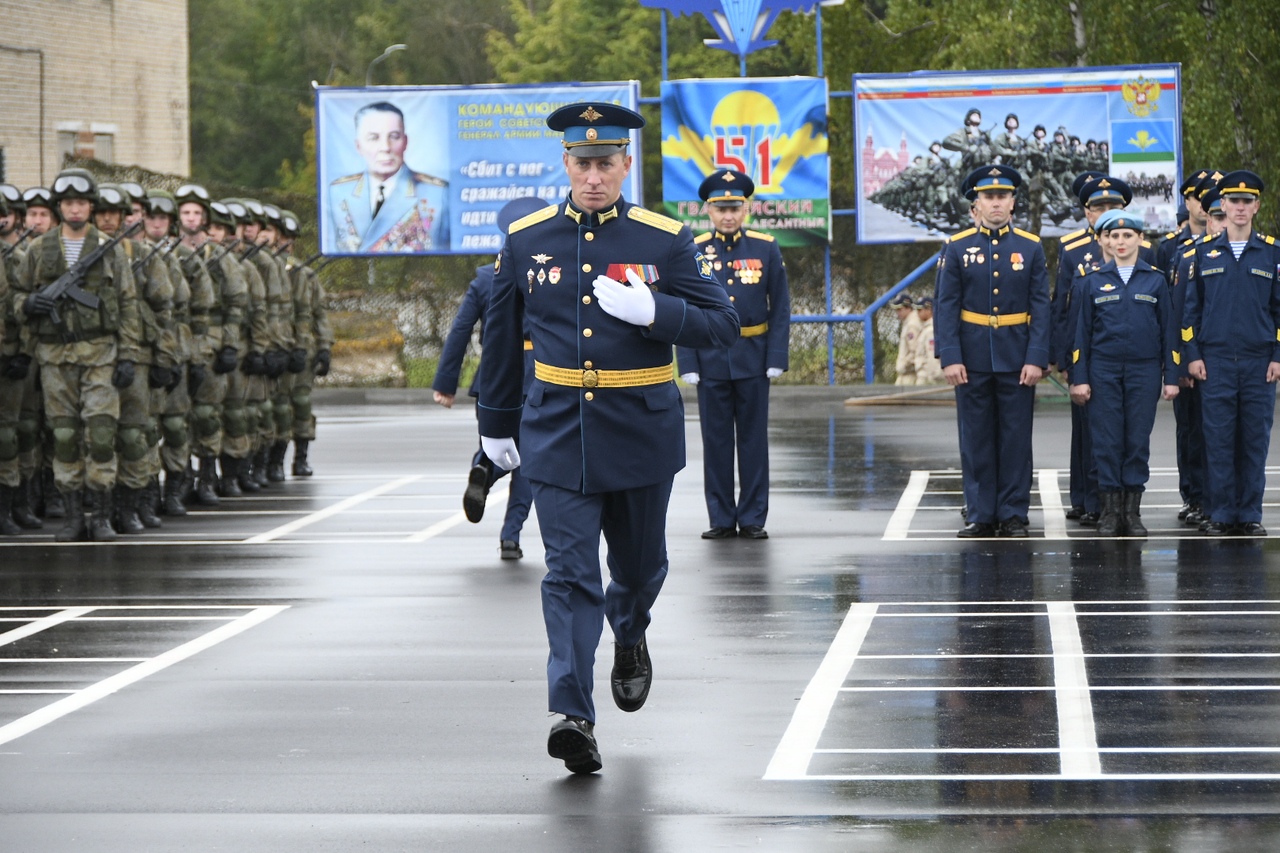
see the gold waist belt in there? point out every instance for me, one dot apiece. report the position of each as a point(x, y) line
point(995, 320)
point(753, 331)
point(603, 378)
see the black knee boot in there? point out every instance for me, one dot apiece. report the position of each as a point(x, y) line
point(22, 507)
point(1133, 525)
point(300, 466)
point(100, 529)
point(73, 529)
point(207, 484)
point(148, 503)
point(8, 527)
point(275, 467)
point(127, 520)
point(1109, 520)
point(230, 483)
point(175, 485)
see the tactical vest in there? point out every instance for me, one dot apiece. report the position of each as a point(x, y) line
point(80, 321)
point(219, 276)
point(146, 314)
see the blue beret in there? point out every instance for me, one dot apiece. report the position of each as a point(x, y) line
point(1114, 219)
point(1241, 182)
point(726, 185)
point(1105, 188)
point(597, 129)
point(518, 209)
point(990, 178)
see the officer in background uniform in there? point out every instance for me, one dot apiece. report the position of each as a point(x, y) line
point(733, 384)
point(908, 332)
point(991, 327)
point(928, 368)
point(444, 388)
point(85, 359)
point(608, 288)
point(1231, 333)
point(315, 340)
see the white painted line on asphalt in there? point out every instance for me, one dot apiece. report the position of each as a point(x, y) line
point(1036, 777)
point(104, 688)
point(38, 625)
point(1055, 520)
point(329, 511)
point(900, 522)
point(791, 758)
point(494, 503)
point(1077, 736)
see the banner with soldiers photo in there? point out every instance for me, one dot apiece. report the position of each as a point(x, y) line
point(424, 170)
point(771, 129)
point(920, 134)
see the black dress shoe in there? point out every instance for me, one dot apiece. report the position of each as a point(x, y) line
point(1194, 517)
point(1089, 519)
point(1014, 528)
point(573, 741)
point(510, 550)
point(477, 490)
point(1075, 512)
point(976, 530)
point(1215, 528)
point(1251, 528)
point(719, 533)
point(632, 675)
point(1182, 513)
point(752, 531)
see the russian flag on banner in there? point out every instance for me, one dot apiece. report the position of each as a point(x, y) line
point(618, 272)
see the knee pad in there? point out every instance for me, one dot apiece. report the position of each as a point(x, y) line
point(153, 432)
point(101, 433)
point(205, 421)
point(251, 418)
point(66, 439)
point(174, 430)
point(8, 442)
point(235, 421)
point(28, 433)
point(283, 416)
point(301, 404)
point(132, 440)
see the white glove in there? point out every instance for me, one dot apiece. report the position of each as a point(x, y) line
point(501, 451)
point(690, 378)
point(632, 304)
point(773, 372)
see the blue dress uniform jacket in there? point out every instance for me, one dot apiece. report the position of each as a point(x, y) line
point(1187, 412)
point(750, 265)
point(596, 439)
point(414, 218)
point(1125, 322)
point(1232, 322)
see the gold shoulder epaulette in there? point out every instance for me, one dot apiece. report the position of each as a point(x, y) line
point(702, 238)
point(349, 178)
point(1170, 235)
point(654, 220)
point(1077, 244)
point(965, 233)
point(1146, 244)
point(534, 218)
point(1271, 241)
point(1067, 238)
point(1188, 253)
point(424, 178)
point(1080, 268)
point(760, 235)
point(1027, 234)
point(1206, 238)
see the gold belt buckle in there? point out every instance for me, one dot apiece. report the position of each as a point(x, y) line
point(993, 321)
point(590, 379)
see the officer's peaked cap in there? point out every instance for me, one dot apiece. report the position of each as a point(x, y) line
point(1241, 182)
point(726, 186)
point(1105, 188)
point(990, 179)
point(595, 129)
point(1083, 178)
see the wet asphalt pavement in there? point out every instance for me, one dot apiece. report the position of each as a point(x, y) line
point(343, 663)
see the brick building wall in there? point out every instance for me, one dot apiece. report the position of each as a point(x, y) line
point(115, 85)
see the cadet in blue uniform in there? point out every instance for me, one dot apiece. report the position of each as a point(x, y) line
point(991, 333)
point(607, 288)
point(444, 387)
point(1124, 352)
point(1231, 333)
point(733, 384)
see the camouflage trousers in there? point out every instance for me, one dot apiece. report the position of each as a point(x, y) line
point(304, 422)
point(138, 437)
point(282, 406)
point(82, 408)
point(175, 427)
point(259, 401)
point(19, 427)
point(206, 414)
point(237, 417)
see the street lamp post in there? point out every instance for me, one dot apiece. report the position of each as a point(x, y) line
point(368, 74)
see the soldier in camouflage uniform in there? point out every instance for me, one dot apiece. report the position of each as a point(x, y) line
point(40, 215)
point(315, 338)
point(286, 338)
point(85, 359)
point(18, 435)
point(971, 141)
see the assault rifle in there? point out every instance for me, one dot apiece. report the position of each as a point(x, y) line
point(253, 250)
point(223, 250)
point(10, 247)
point(68, 284)
point(141, 264)
point(311, 260)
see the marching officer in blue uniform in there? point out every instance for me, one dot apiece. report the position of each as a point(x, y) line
point(1231, 335)
point(607, 288)
point(991, 333)
point(1124, 352)
point(733, 384)
point(444, 388)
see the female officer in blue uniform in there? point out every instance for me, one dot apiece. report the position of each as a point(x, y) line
point(1124, 346)
point(991, 333)
point(733, 384)
point(607, 288)
point(1231, 336)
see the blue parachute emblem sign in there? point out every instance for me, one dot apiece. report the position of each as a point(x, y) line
point(741, 24)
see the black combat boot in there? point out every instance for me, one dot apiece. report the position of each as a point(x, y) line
point(1133, 525)
point(244, 475)
point(100, 529)
point(22, 504)
point(73, 529)
point(229, 486)
point(54, 500)
point(300, 466)
point(175, 485)
point(207, 484)
point(149, 503)
point(275, 467)
point(1109, 520)
point(126, 515)
point(8, 527)
point(260, 466)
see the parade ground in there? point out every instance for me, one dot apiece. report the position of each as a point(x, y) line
point(344, 663)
